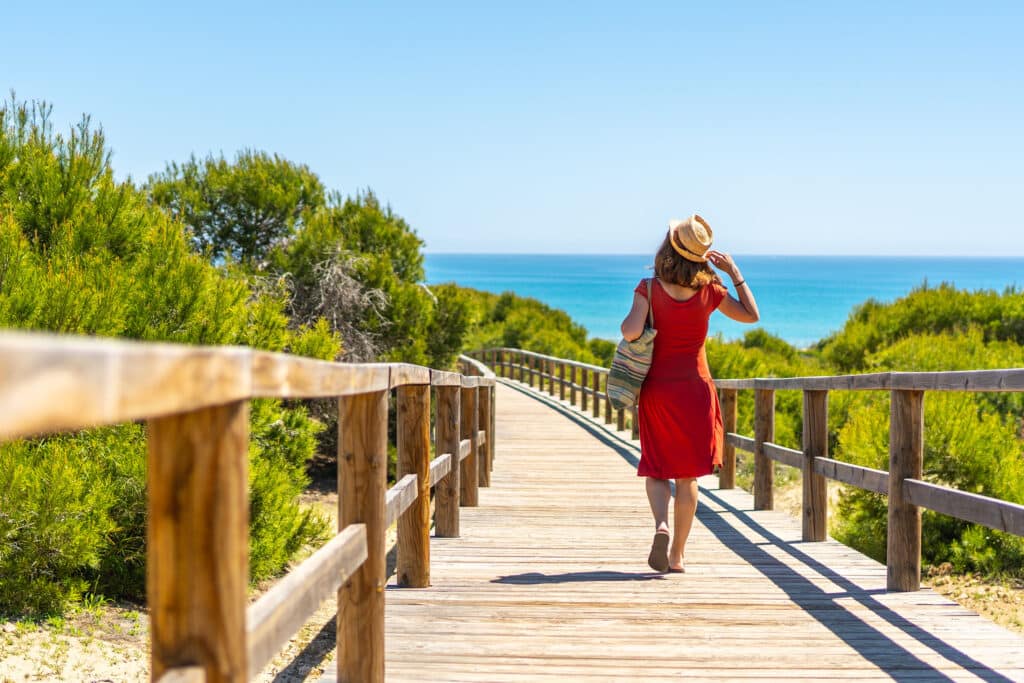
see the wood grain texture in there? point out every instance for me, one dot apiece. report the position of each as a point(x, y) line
point(406, 374)
point(51, 383)
point(483, 436)
point(362, 480)
point(469, 477)
point(400, 497)
point(764, 432)
point(197, 539)
point(815, 445)
point(280, 612)
point(280, 375)
point(413, 442)
point(446, 440)
point(440, 378)
point(595, 381)
point(727, 472)
point(465, 448)
point(906, 460)
point(561, 381)
point(584, 389)
point(549, 582)
point(744, 443)
point(785, 456)
point(862, 477)
point(440, 467)
point(991, 512)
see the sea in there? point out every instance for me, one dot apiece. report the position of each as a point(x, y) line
point(802, 299)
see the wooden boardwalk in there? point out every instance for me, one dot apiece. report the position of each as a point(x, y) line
point(549, 582)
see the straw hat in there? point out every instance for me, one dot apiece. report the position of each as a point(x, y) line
point(690, 237)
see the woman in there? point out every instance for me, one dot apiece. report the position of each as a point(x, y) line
point(680, 418)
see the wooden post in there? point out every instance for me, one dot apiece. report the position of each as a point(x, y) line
point(551, 377)
point(197, 565)
point(362, 485)
point(906, 461)
point(764, 431)
point(446, 440)
point(583, 389)
point(727, 472)
point(815, 443)
point(469, 478)
point(635, 428)
point(484, 457)
point(493, 430)
point(596, 383)
point(522, 367)
point(561, 381)
point(413, 565)
point(607, 403)
point(572, 385)
point(620, 419)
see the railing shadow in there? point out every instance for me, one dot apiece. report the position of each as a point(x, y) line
point(537, 578)
point(865, 639)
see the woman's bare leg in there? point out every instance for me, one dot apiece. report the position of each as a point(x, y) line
point(685, 509)
point(659, 493)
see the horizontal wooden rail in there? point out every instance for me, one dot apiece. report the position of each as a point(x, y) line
point(272, 620)
point(876, 481)
point(400, 497)
point(440, 467)
point(786, 456)
point(991, 512)
point(195, 399)
point(742, 442)
point(902, 484)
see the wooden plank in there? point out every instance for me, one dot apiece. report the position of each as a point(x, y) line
point(1011, 379)
point(440, 378)
point(362, 479)
point(280, 612)
point(407, 374)
point(991, 512)
point(197, 541)
point(906, 461)
point(51, 383)
point(446, 441)
point(786, 456)
point(400, 496)
point(440, 467)
point(470, 382)
point(469, 477)
point(744, 443)
point(465, 448)
point(764, 432)
point(550, 582)
point(483, 446)
point(727, 472)
point(280, 375)
point(814, 487)
point(854, 475)
point(478, 368)
point(413, 442)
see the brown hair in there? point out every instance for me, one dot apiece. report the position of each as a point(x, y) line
point(670, 267)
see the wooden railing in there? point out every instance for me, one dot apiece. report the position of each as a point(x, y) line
point(581, 384)
point(195, 400)
point(907, 492)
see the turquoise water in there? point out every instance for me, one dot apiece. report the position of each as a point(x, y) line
point(802, 298)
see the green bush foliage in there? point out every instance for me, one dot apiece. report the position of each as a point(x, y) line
point(81, 253)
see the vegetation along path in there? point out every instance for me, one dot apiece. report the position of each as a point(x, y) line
point(549, 581)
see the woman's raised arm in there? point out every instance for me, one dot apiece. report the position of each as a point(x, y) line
point(744, 309)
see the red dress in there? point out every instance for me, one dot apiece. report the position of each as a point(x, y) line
point(680, 417)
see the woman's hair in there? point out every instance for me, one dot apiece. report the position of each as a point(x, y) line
point(670, 267)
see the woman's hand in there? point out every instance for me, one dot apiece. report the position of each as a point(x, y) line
point(724, 262)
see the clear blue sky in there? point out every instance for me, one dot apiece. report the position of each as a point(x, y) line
point(794, 127)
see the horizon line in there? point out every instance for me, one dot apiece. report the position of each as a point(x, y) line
point(741, 254)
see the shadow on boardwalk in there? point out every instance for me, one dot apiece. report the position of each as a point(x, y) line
point(867, 640)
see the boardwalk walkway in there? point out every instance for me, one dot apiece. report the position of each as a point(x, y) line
point(549, 582)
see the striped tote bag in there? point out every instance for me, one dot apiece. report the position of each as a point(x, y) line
point(631, 362)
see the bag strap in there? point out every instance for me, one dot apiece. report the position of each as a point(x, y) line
point(650, 304)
